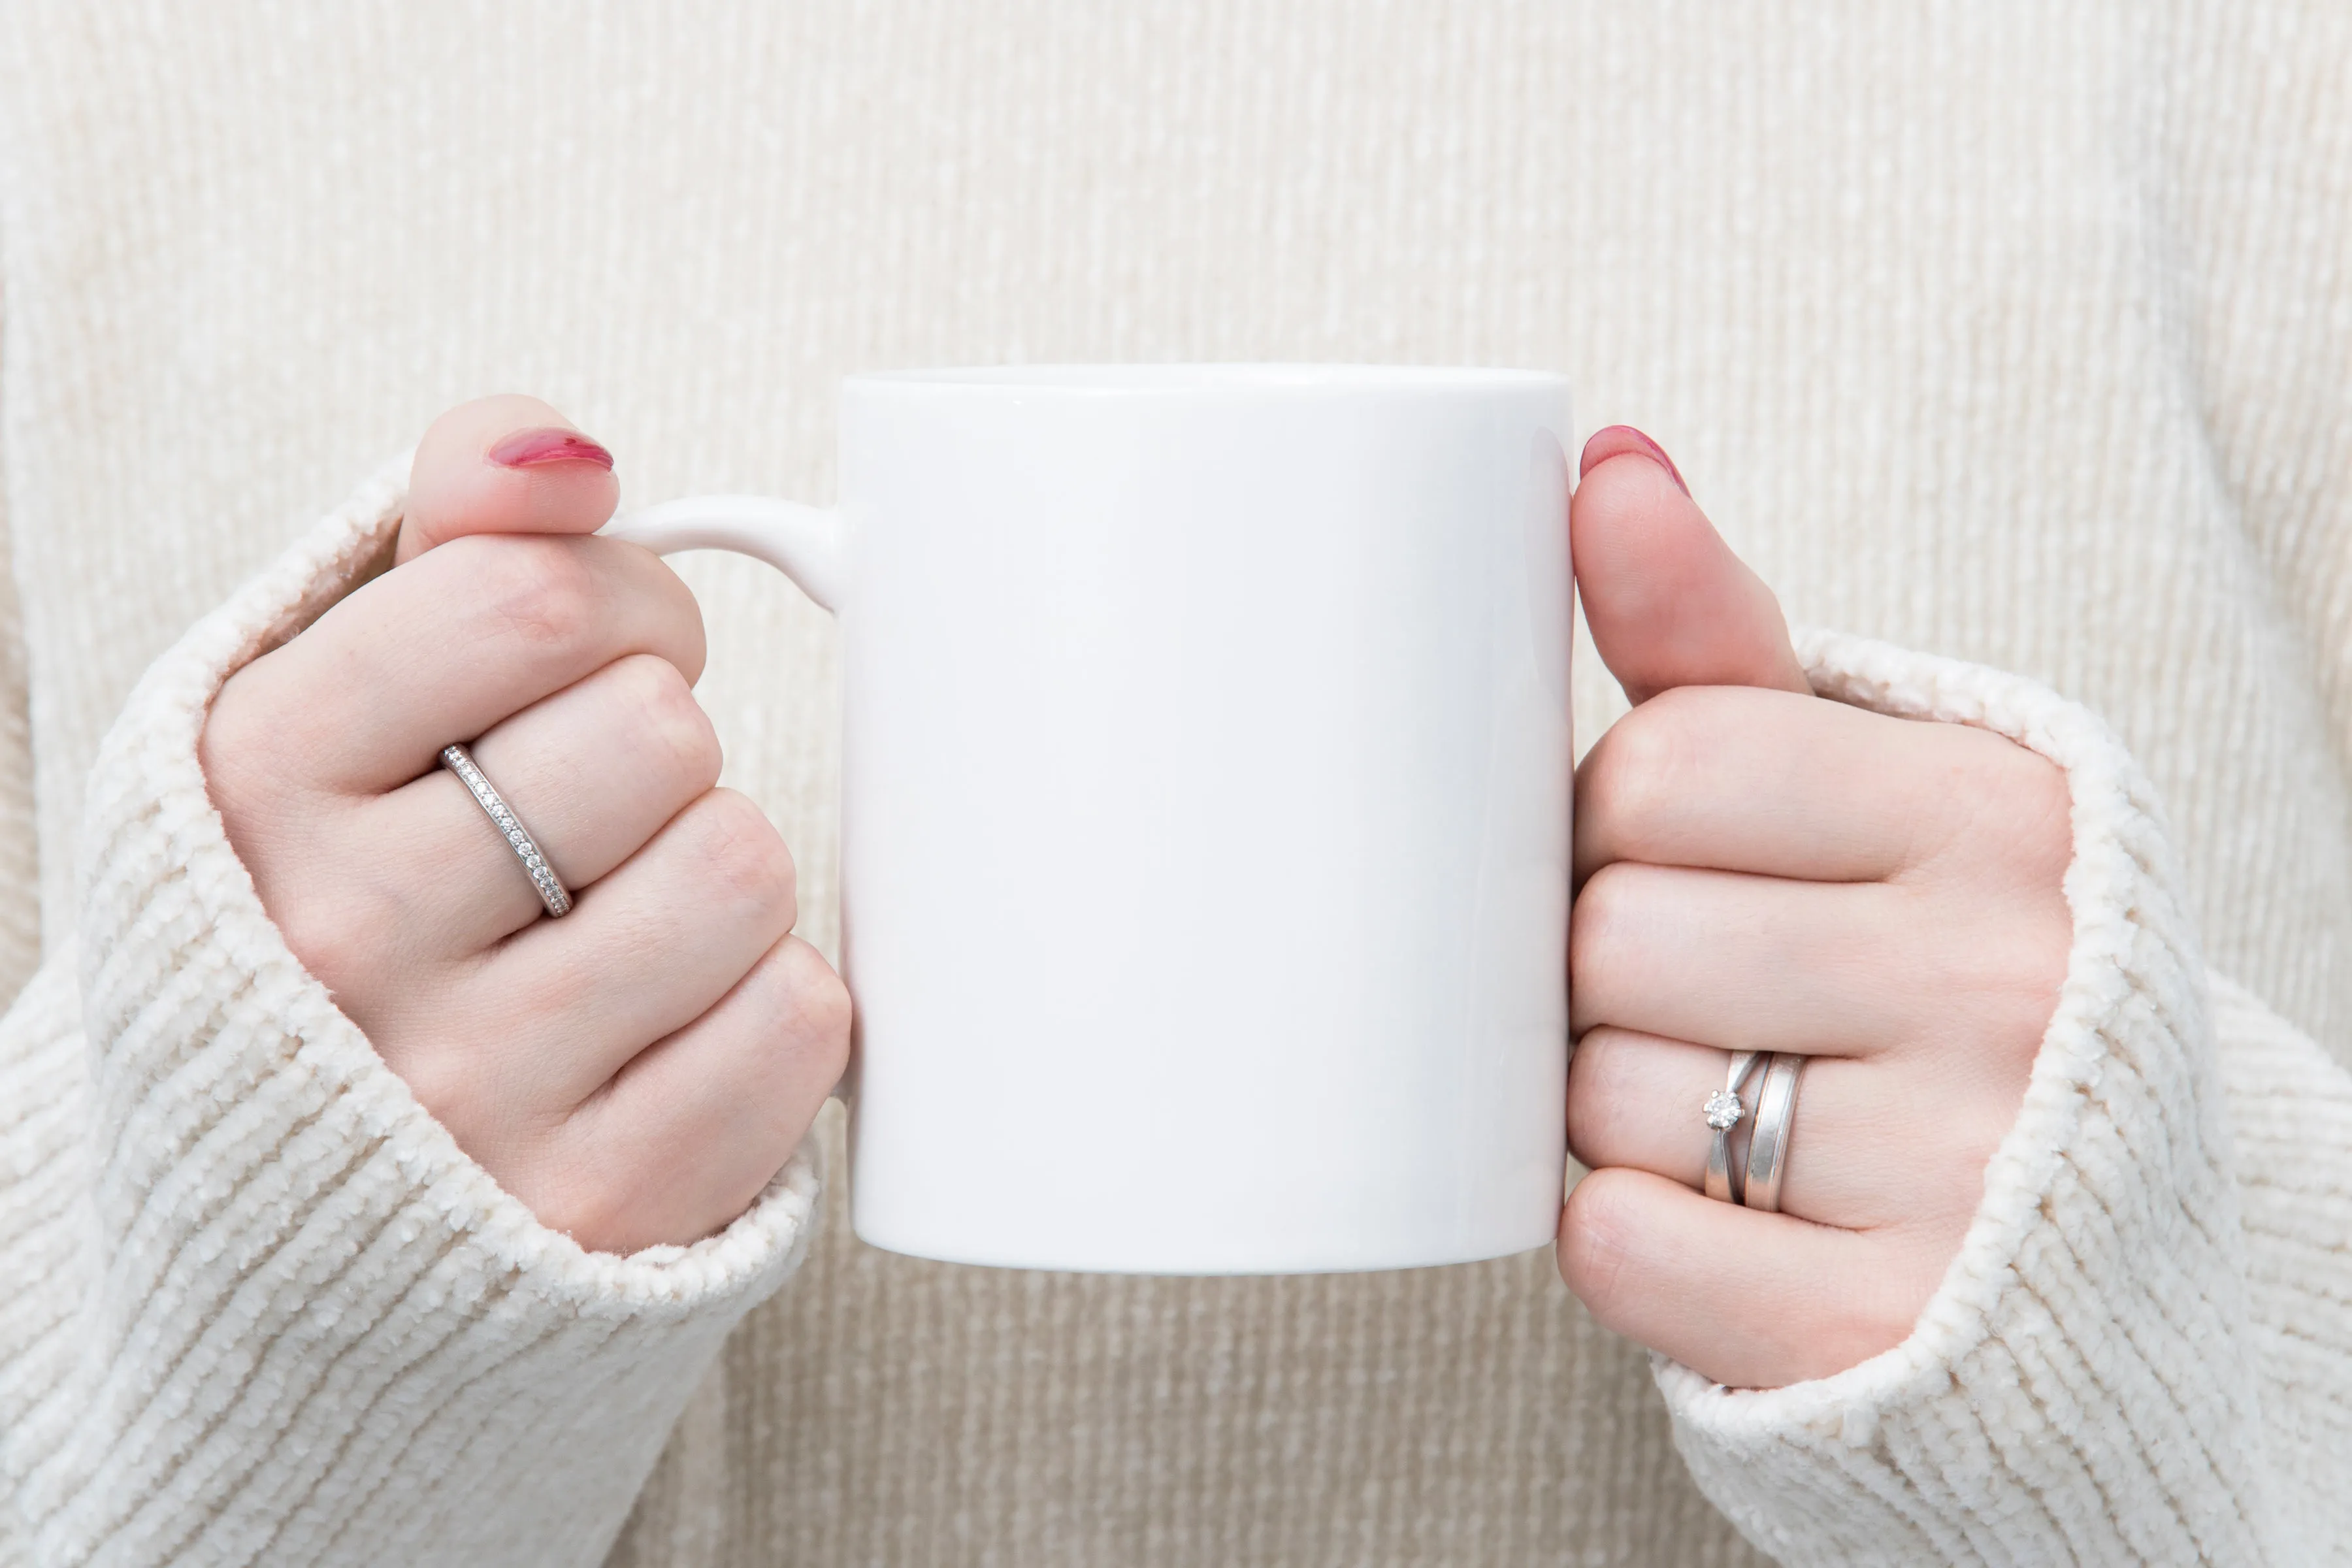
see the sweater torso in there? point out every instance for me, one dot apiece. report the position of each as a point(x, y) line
point(2020, 338)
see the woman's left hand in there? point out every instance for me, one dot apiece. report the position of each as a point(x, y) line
point(1759, 869)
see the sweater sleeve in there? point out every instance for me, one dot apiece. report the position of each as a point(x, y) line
point(261, 1309)
point(2143, 1352)
point(20, 879)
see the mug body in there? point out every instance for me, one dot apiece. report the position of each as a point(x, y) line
point(1206, 790)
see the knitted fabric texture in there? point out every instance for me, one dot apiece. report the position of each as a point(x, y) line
point(2014, 331)
point(279, 1315)
point(2101, 1284)
point(267, 1312)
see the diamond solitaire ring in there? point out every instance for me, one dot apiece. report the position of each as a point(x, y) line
point(551, 891)
point(1725, 1111)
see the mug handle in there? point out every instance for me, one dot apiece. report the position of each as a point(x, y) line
point(806, 543)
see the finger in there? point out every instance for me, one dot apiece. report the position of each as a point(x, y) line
point(593, 772)
point(1782, 785)
point(644, 951)
point(685, 1136)
point(1749, 1299)
point(443, 649)
point(1865, 1149)
point(1854, 969)
point(504, 465)
point(1667, 601)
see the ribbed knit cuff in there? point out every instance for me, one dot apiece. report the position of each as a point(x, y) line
point(2291, 1131)
point(2081, 1388)
point(305, 1326)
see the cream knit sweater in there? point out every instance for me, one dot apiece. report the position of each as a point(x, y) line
point(2016, 335)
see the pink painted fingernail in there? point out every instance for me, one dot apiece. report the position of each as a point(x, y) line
point(538, 449)
point(1615, 441)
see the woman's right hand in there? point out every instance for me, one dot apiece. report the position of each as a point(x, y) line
point(638, 1070)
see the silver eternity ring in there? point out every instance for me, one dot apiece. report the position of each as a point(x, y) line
point(551, 891)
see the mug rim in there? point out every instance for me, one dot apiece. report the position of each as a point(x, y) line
point(1150, 378)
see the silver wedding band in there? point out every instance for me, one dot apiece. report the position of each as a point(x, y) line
point(1752, 1176)
point(551, 891)
point(1768, 1143)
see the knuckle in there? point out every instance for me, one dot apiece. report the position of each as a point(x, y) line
point(1598, 921)
point(742, 854)
point(808, 1040)
point(253, 743)
point(445, 1083)
point(1636, 769)
point(226, 752)
point(1599, 1245)
point(666, 607)
point(1975, 1136)
point(2011, 811)
point(336, 939)
point(1877, 1310)
point(824, 1011)
point(2000, 867)
point(595, 1211)
point(1591, 1096)
point(2023, 993)
point(1996, 971)
point(658, 579)
point(534, 590)
point(2043, 808)
point(668, 720)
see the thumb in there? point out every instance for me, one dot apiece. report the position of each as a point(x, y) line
point(1667, 601)
point(504, 465)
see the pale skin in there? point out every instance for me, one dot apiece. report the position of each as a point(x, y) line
point(1757, 868)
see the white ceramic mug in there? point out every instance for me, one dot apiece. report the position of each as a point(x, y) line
point(1205, 794)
